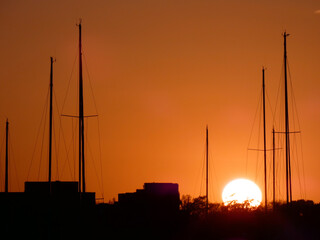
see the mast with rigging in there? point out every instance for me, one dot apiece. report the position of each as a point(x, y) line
point(264, 142)
point(50, 122)
point(287, 131)
point(81, 122)
point(207, 171)
point(274, 169)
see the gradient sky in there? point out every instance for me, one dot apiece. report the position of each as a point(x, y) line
point(160, 71)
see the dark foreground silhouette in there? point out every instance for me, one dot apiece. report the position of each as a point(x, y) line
point(51, 218)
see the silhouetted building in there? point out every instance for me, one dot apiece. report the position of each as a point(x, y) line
point(57, 188)
point(154, 201)
point(63, 193)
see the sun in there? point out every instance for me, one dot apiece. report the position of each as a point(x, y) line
point(242, 191)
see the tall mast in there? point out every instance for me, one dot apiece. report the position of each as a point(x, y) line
point(274, 168)
point(50, 121)
point(81, 121)
point(207, 175)
point(287, 132)
point(264, 142)
point(7, 156)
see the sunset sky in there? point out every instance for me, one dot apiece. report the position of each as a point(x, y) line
point(160, 71)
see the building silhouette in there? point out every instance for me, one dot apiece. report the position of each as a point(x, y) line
point(155, 204)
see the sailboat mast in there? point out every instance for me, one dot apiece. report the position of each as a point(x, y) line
point(274, 168)
point(7, 157)
point(264, 142)
point(50, 121)
point(287, 132)
point(81, 121)
point(207, 171)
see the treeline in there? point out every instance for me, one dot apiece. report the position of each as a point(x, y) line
point(197, 206)
point(298, 220)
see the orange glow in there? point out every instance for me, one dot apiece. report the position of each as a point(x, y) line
point(160, 72)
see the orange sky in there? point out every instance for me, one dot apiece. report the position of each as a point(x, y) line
point(160, 71)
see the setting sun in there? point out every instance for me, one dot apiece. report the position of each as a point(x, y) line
point(242, 191)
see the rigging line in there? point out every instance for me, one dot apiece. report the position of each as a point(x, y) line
point(281, 167)
point(273, 113)
point(254, 119)
point(294, 103)
point(214, 178)
point(303, 172)
point(270, 185)
point(96, 108)
point(258, 143)
point(273, 166)
point(294, 107)
point(67, 153)
point(247, 157)
point(212, 190)
point(87, 144)
point(42, 143)
point(74, 127)
point(278, 156)
point(68, 159)
point(54, 138)
point(92, 157)
point(198, 175)
point(278, 93)
point(214, 172)
point(44, 127)
point(62, 108)
point(65, 98)
point(66, 148)
point(73, 151)
point(281, 161)
point(100, 156)
point(38, 133)
point(59, 135)
point(202, 173)
point(12, 160)
point(280, 111)
point(255, 116)
point(270, 107)
point(210, 177)
point(56, 150)
point(2, 150)
point(295, 112)
point(91, 88)
point(298, 165)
